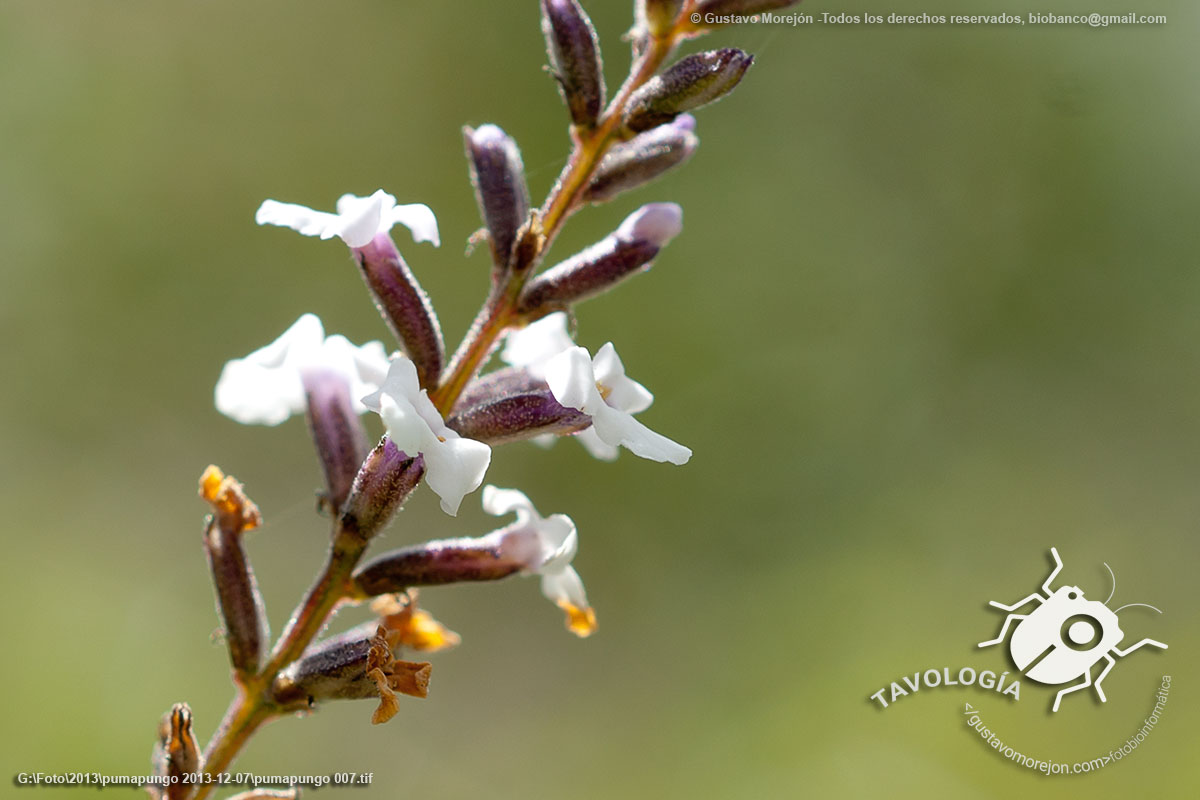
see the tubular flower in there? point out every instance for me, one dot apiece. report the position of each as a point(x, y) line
point(597, 387)
point(454, 466)
point(268, 386)
point(548, 545)
point(358, 219)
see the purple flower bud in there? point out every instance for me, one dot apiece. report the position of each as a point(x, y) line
point(602, 266)
point(575, 58)
point(386, 479)
point(337, 431)
point(516, 415)
point(659, 15)
point(404, 305)
point(724, 7)
point(690, 83)
point(657, 223)
point(499, 180)
point(642, 159)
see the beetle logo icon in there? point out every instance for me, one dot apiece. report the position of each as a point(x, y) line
point(1065, 636)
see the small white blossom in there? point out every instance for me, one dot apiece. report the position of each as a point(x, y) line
point(454, 466)
point(358, 219)
point(267, 386)
point(547, 545)
point(598, 388)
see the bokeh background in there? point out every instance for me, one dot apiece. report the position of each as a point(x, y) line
point(935, 310)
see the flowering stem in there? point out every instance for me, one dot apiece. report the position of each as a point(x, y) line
point(499, 312)
point(253, 705)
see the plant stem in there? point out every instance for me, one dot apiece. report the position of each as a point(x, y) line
point(253, 705)
point(499, 312)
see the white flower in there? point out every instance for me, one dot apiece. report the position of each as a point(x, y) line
point(607, 396)
point(599, 388)
point(358, 219)
point(454, 466)
point(548, 545)
point(535, 344)
point(267, 386)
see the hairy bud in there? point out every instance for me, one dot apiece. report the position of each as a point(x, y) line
point(337, 432)
point(499, 180)
point(626, 252)
point(690, 83)
point(388, 476)
point(404, 305)
point(643, 158)
point(575, 58)
point(517, 413)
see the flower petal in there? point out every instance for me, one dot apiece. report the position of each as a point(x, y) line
point(535, 344)
point(620, 428)
point(498, 502)
point(571, 380)
point(622, 393)
point(360, 218)
point(301, 219)
point(418, 218)
point(265, 387)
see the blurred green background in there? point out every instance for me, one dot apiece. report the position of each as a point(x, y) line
point(934, 310)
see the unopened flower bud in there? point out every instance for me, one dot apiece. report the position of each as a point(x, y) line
point(238, 600)
point(337, 432)
point(659, 15)
point(516, 415)
point(386, 479)
point(176, 753)
point(355, 665)
point(602, 266)
point(690, 83)
point(499, 180)
point(575, 58)
point(404, 305)
point(742, 7)
point(642, 159)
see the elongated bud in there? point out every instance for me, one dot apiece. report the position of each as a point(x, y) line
point(642, 159)
point(404, 305)
point(575, 58)
point(499, 180)
point(602, 266)
point(388, 476)
point(239, 602)
point(356, 665)
point(659, 16)
point(337, 432)
point(176, 753)
point(743, 7)
point(517, 415)
point(485, 558)
point(690, 83)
